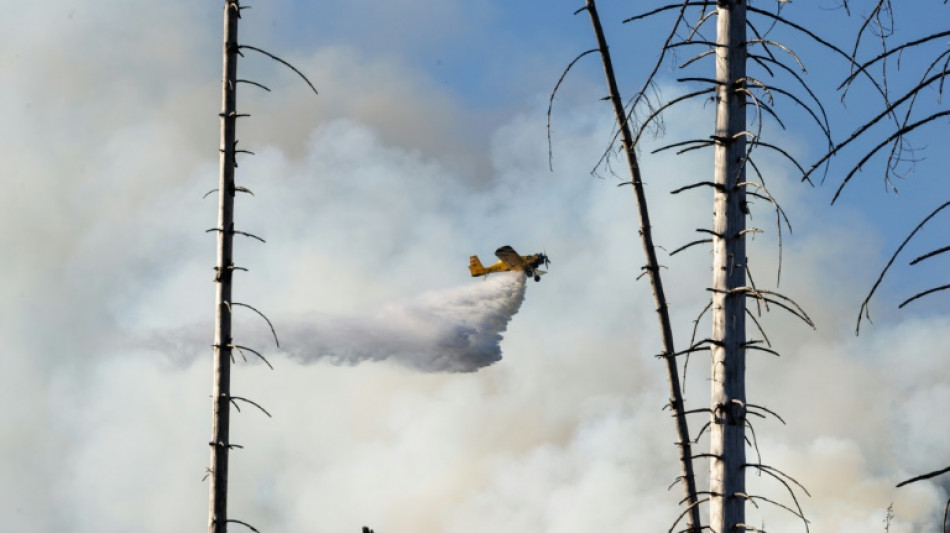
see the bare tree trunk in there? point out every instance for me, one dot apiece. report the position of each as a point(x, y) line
point(221, 395)
point(652, 267)
point(727, 430)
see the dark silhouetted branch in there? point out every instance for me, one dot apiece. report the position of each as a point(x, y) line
point(241, 349)
point(658, 111)
point(245, 524)
point(551, 102)
point(251, 235)
point(688, 245)
point(928, 255)
point(646, 238)
point(922, 294)
point(922, 477)
point(235, 399)
point(899, 133)
point(273, 332)
point(254, 83)
point(865, 311)
point(892, 51)
point(279, 60)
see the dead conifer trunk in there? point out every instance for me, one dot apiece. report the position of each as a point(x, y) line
point(224, 267)
point(652, 268)
point(727, 430)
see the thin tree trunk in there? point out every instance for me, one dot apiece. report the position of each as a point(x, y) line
point(727, 430)
point(221, 395)
point(653, 270)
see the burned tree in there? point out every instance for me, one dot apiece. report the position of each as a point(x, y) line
point(652, 270)
point(900, 115)
point(224, 270)
point(905, 110)
point(729, 290)
point(752, 70)
point(224, 345)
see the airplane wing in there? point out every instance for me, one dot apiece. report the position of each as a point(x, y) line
point(510, 258)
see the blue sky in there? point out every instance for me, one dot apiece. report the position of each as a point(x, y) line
point(426, 144)
point(496, 57)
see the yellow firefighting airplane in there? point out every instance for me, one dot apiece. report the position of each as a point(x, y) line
point(510, 260)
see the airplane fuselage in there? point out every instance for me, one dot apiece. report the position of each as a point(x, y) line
point(509, 260)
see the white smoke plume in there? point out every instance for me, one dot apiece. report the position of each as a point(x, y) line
point(375, 192)
point(454, 330)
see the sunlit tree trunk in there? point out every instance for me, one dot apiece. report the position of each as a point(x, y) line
point(727, 431)
point(221, 395)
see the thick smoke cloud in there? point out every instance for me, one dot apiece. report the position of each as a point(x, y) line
point(364, 203)
point(452, 330)
point(456, 330)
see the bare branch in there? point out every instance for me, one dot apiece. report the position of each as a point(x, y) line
point(946, 511)
point(767, 410)
point(758, 326)
point(629, 148)
point(696, 347)
point(696, 145)
point(779, 216)
point(767, 468)
point(922, 294)
point(892, 51)
point(755, 440)
point(928, 255)
point(694, 185)
point(787, 50)
point(889, 110)
point(640, 95)
point(279, 60)
point(781, 151)
point(262, 316)
point(665, 106)
point(897, 134)
point(551, 103)
point(922, 477)
point(865, 310)
point(667, 7)
point(241, 349)
point(685, 512)
point(774, 473)
point(762, 349)
point(245, 524)
point(860, 68)
point(701, 431)
point(697, 57)
point(760, 294)
point(235, 399)
point(747, 527)
point(246, 234)
point(254, 83)
point(692, 339)
point(777, 504)
point(688, 245)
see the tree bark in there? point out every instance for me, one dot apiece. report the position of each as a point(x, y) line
point(652, 268)
point(727, 435)
point(221, 389)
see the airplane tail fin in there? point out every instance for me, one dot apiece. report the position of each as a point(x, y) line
point(475, 266)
